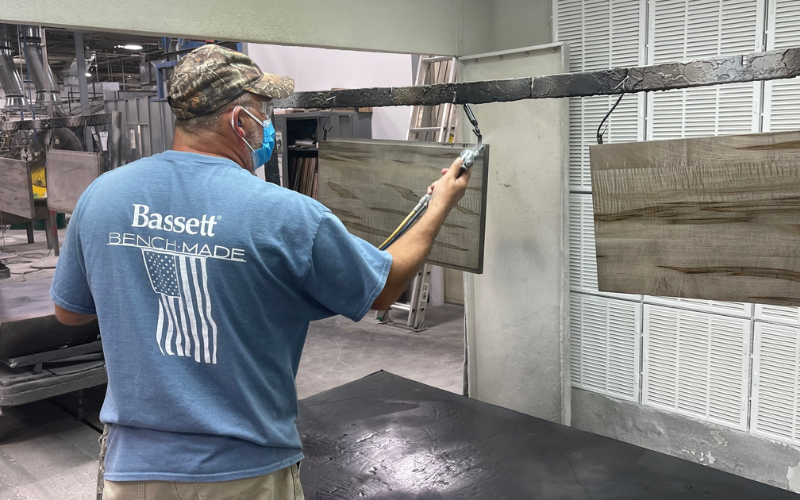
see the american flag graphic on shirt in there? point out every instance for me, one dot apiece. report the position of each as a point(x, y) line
point(185, 325)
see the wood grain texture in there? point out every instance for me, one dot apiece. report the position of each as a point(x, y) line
point(16, 191)
point(714, 218)
point(372, 185)
point(69, 173)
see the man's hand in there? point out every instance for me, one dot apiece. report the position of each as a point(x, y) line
point(448, 190)
point(410, 251)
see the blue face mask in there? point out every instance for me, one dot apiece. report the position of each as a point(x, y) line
point(261, 155)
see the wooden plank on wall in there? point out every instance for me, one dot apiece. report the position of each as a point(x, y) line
point(69, 173)
point(715, 218)
point(372, 185)
point(16, 191)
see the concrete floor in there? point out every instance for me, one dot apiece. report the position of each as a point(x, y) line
point(340, 351)
point(46, 454)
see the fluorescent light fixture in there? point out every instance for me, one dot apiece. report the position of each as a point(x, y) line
point(130, 46)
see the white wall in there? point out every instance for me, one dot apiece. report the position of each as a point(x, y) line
point(323, 69)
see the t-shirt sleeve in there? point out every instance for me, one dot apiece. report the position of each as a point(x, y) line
point(346, 273)
point(70, 288)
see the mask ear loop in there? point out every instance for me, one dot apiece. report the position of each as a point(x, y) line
point(233, 127)
point(254, 118)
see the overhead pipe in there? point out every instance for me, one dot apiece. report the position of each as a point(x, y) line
point(41, 73)
point(47, 94)
point(9, 78)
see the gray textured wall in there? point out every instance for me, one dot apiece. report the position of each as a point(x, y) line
point(517, 309)
point(411, 26)
point(521, 23)
point(423, 26)
point(713, 445)
point(493, 25)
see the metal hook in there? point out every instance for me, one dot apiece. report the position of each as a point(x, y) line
point(469, 155)
point(599, 132)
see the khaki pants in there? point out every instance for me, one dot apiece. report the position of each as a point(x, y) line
point(279, 485)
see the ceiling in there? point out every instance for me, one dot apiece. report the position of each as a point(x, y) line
point(111, 63)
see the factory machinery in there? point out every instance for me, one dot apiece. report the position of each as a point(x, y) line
point(47, 158)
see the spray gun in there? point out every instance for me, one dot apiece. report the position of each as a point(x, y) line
point(468, 156)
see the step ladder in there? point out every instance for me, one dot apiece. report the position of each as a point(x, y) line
point(428, 124)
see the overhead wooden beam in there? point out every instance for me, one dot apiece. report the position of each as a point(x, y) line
point(773, 65)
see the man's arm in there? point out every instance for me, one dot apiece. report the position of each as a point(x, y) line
point(411, 250)
point(70, 318)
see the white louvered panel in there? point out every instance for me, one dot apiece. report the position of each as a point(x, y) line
point(685, 30)
point(737, 108)
point(582, 250)
point(570, 29)
point(781, 110)
point(711, 306)
point(627, 33)
point(776, 370)
point(582, 257)
point(579, 177)
point(576, 271)
point(575, 338)
point(778, 314)
point(602, 34)
point(596, 34)
point(784, 24)
point(604, 345)
point(696, 364)
point(703, 112)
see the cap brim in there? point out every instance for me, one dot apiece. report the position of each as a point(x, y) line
point(272, 86)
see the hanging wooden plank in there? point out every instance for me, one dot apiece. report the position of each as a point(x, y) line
point(372, 185)
point(69, 173)
point(16, 190)
point(715, 218)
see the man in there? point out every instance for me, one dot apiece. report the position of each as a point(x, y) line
point(204, 280)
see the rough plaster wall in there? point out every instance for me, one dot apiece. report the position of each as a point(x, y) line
point(521, 23)
point(713, 445)
point(516, 308)
point(493, 25)
point(410, 26)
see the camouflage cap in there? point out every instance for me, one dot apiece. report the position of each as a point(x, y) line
point(211, 76)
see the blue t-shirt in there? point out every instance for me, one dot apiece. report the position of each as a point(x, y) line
point(204, 279)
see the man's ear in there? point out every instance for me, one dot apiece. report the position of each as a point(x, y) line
point(237, 122)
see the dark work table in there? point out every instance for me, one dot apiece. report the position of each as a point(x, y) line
point(387, 437)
